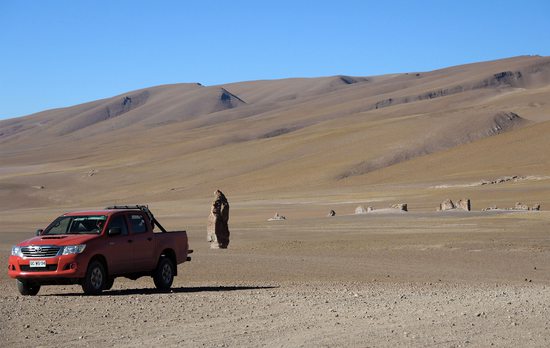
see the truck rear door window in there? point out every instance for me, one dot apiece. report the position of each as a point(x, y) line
point(119, 221)
point(138, 223)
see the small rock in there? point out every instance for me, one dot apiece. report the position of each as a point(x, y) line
point(400, 206)
point(277, 217)
point(360, 210)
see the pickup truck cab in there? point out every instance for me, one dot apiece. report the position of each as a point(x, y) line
point(92, 248)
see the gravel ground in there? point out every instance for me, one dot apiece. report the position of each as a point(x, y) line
point(413, 280)
point(281, 315)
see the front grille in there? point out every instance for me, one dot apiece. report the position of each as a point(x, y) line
point(40, 250)
point(27, 268)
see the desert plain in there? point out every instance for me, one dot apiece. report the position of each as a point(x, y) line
point(302, 147)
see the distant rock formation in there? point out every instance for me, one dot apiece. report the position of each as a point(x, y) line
point(331, 213)
point(502, 180)
point(446, 205)
point(493, 207)
point(400, 206)
point(277, 217)
point(521, 206)
point(217, 229)
point(462, 204)
point(360, 210)
point(517, 207)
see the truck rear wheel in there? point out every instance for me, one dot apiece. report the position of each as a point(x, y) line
point(164, 274)
point(95, 279)
point(26, 288)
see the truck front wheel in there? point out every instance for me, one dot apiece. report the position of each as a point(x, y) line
point(109, 283)
point(164, 274)
point(95, 279)
point(26, 288)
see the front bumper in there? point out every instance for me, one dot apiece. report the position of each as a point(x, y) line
point(63, 266)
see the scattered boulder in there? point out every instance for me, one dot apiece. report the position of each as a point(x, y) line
point(464, 204)
point(521, 206)
point(277, 217)
point(493, 207)
point(502, 180)
point(446, 205)
point(370, 209)
point(536, 207)
point(360, 210)
point(331, 213)
point(400, 206)
point(39, 187)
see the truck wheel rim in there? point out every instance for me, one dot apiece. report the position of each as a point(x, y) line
point(166, 273)
point(96, 278)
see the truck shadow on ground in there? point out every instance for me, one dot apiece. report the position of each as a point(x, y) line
point(153, 291)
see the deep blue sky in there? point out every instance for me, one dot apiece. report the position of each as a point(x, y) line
point(61, 53)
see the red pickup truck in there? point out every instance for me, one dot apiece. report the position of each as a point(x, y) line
point(92, 248)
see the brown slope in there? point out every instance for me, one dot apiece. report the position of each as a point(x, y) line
point(181, 141)
point(151, 107)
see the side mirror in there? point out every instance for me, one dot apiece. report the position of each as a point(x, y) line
point(115, 231)
point(38, 232)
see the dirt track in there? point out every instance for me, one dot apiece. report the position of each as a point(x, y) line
point(414, 280)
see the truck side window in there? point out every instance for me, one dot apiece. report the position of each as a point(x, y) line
point(138, 223)
point(119, 221)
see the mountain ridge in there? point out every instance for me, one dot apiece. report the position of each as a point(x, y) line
point(327, 132)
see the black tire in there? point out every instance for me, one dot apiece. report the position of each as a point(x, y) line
point(26, 288)
point(95, 279)
point(164, 274)
point(109, 283)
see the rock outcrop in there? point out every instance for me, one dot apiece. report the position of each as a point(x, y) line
point(400, 206)
point(360, 210)
point(517, 207)
point(217, 229)
point(277, 217)
point(446, 205)
point(521, 206)
point(331, 213)
point(464, 204)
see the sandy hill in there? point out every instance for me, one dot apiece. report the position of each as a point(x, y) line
point(334, 138)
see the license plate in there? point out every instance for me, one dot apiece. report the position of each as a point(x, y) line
point(37, 263)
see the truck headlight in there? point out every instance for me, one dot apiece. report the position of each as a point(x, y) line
point(73, 249)
point(16, 251)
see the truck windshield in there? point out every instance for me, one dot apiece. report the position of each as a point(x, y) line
point(92, 224)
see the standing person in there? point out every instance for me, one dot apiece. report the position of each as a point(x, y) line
point(217, 229)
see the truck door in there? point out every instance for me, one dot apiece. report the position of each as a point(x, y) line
point(119, 250)
point(143, 243)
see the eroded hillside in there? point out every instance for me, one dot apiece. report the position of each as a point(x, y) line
point(293, 137)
